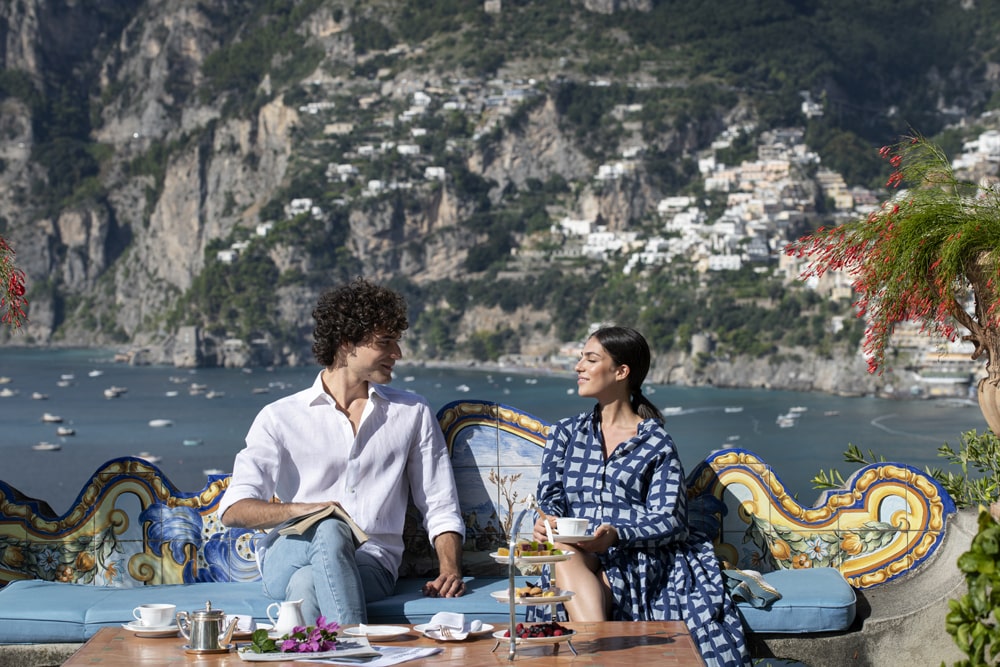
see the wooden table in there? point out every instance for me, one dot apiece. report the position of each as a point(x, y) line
point(611, 644)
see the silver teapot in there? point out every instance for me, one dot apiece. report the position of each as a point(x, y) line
point(204, 628)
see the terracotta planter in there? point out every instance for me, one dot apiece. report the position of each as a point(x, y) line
point(989, 403)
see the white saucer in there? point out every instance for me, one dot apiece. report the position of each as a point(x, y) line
point(244, 634)
point(151, 630)
point(381, 632)
point(572, 538)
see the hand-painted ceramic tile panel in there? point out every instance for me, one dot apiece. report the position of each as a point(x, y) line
point(131, 527)
point(889, 518)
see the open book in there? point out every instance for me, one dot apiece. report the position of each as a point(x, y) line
point(300, 524)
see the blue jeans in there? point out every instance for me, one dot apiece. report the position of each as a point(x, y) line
point(324, 570)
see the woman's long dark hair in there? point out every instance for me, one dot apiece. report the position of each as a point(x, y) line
point(627, 347)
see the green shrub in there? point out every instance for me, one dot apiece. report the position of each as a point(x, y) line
point(972, 618)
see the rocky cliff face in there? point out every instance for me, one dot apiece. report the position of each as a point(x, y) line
point(122, 258)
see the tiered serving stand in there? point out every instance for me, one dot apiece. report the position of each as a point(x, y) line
point(513, 600)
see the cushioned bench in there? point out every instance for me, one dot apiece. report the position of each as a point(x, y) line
point(132, 537)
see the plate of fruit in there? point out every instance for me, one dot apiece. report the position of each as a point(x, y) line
point(532, 552)
point(538, 633)
point(533, 595)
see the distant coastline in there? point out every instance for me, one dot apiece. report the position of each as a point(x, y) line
point(801, 370)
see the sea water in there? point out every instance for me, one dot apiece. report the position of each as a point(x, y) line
point(209, 411)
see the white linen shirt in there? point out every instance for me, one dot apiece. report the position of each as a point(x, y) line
point(301, 448)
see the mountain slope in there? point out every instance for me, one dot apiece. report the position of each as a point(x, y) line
point(145, 140)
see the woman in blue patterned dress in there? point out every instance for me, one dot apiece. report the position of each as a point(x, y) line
point(617, 467)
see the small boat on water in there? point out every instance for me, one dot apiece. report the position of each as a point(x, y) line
point(260, 390)
point(114, 392)
point(672, 410)
point(462, 388)
point(47, 447)
point(733, 408)
point(160, 423)
point(215, 394)
point(192, 442)
point(65, 430)
point(5, 379)
point(786, 420)
point(50, 418)
point(7, 392)
point(95, 373)
point(213, 471)
point(39, 396)
point(149, 458)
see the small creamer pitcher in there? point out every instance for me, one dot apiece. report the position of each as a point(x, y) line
point(289, 616)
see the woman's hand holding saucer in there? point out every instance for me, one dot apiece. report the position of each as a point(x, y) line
point(605, 537)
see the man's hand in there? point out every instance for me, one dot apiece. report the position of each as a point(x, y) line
point(261, 514)
point(445, 586)
point(449, 583)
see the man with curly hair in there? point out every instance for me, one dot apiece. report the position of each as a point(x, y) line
point(352, 440)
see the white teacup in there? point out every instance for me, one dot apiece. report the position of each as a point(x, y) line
point(567, 525)
point(155, 615)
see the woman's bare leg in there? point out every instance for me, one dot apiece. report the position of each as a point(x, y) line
point(592, 593)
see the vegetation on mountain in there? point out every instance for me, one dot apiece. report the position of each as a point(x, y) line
point(689, 70)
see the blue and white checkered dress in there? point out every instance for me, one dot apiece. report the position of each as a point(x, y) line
point(657, 571)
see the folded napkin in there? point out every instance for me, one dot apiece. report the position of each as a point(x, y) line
point(447, 626)
point(750, 586)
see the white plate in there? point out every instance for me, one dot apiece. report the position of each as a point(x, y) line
point(536, 640)
point(562, 596)
point(382, 632)
point(242, 634)
point(531, 559)
point(151, 630)
point(572, 538)
point(481, 631)
point(357, 648)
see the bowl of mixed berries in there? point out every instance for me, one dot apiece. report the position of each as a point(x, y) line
point(551, 631)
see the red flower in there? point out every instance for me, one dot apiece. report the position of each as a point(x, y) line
point(905, 259)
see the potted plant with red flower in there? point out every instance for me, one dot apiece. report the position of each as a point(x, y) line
point(930, 254)
point(12, 301)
